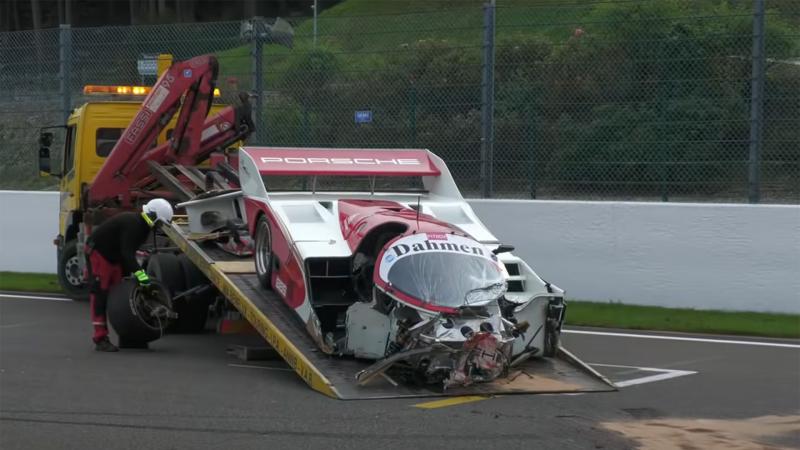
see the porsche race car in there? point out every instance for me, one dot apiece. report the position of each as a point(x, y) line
point(381, 258)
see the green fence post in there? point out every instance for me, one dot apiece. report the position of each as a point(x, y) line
point(530, 136)
point(306, 127)
point(412, 115)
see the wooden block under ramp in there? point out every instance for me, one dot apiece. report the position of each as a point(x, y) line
point(236, 266)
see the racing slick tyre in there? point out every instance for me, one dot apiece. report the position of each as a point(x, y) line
point(166, 268)
point(69, 272)
point(193, 309)
point(263, 253)
point(552, 330)
point(130, 312)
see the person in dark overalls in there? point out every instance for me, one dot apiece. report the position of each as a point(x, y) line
point(111, 252)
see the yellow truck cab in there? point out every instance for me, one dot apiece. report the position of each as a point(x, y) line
point(91, 132)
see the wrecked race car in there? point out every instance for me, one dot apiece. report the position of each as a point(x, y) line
point(380, 257)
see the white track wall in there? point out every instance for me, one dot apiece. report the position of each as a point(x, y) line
point(28, 225)
point(705, 256)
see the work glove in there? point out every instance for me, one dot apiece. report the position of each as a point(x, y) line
point(142, 278)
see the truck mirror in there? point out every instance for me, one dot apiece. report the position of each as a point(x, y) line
point(45, 141)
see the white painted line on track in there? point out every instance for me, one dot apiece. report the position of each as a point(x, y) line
point(681, 338)
point(19, 325)
point(35, 297)
point(246, 366)
point(663, 374)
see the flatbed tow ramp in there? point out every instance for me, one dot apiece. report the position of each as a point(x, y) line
point(336, 376)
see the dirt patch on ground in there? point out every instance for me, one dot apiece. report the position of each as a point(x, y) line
point(758, 433)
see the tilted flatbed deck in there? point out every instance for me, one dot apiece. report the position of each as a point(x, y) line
point(335, 376)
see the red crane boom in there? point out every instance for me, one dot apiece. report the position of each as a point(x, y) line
point(188, 87)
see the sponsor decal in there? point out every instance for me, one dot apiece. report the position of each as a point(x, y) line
point(136, 127)
point(430, 246)
point(280, 286)
point(208, 132)
point(343, 161)
point(422, 243)
point(157, 98)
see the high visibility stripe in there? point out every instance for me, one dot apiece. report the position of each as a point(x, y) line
point(147, 219)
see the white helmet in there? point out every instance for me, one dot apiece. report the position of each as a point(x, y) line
point(161, 208)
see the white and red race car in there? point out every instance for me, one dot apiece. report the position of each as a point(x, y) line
point(381, 258)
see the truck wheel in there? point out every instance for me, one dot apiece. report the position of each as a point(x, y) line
point(69, 273)
point(263, 253)
point(129, 313)
point(192, 310)
point(166, 268)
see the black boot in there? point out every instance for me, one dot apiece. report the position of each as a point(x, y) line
point(105, 345)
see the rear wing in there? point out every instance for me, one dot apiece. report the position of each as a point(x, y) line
point(342, 162)
point(258, 162)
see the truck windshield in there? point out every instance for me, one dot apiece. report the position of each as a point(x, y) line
point(448, 279)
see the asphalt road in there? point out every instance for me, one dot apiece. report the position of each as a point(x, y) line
point(186, 392)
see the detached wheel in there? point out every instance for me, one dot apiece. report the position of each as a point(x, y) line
point(193, 309)
point(263, 252)
point(131, 314)
point(70, 276)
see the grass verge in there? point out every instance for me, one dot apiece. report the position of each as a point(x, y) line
point(592, 314)
point(617, 315)
point(29, 282)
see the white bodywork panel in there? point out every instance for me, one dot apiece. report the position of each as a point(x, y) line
point(225, 204)
point(367, 331)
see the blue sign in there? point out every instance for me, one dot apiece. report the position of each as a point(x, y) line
point(364, 116)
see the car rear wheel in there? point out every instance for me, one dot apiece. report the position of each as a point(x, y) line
point(263, 253)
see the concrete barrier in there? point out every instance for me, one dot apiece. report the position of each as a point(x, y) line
point(28, 225)
point(705, 256)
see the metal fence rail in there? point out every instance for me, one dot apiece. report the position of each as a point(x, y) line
point(663, 100)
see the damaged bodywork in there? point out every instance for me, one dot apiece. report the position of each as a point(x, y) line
point(381, 259)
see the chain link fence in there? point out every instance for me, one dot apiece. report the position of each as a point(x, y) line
point(665, 100)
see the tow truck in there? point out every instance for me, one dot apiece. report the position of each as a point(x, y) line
point(192, 160)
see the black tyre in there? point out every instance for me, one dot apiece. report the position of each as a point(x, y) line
point(263, 253)
point(129, 313)
point(193, 309)
point(166, 268)
point(552, 339)
point(70, 276)
point(556, 311)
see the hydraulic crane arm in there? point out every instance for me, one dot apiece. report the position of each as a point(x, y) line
point(231, 124)
point(187, 87)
